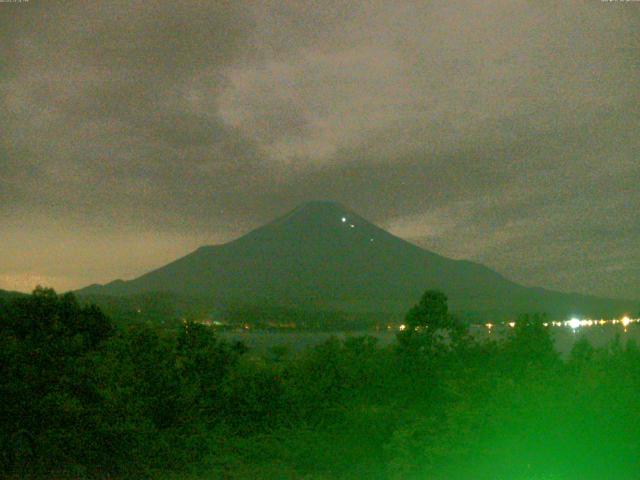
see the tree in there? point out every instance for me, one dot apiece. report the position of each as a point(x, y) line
point(431, 312)
point(530, 344)
point(429, 323)
point(47, 394)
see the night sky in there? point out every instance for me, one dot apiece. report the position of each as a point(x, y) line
point(504, 131)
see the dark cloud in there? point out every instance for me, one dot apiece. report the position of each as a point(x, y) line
point(503, 131)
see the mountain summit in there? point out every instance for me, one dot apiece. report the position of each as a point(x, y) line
point(322, 255)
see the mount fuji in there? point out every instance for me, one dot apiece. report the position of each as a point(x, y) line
point(323, 256)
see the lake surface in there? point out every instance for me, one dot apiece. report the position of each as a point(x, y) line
point(261, 341)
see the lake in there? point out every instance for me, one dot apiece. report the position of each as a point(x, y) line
point(261, 341)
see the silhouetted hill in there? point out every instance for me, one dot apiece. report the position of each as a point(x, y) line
point(323, 256)
point(7, 295)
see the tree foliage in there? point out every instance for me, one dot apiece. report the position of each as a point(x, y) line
point(80, 398)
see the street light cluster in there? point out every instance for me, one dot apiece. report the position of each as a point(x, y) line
point(575, 323)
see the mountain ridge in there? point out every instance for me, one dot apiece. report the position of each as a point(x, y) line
point(322, 255)
point(9, 294)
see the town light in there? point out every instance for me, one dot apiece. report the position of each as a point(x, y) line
point(574, 323)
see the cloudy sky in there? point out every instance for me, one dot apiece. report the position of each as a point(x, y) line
point(503, 131)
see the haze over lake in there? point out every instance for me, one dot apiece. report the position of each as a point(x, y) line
point(263, 342)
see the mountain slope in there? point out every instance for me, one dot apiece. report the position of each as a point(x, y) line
point(9, 295)
point(324, 256)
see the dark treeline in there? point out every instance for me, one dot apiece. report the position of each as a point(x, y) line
point(270, 317)
point(81, 398)
point(169, 309)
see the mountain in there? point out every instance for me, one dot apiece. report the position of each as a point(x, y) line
point(8, 295)
point(323, 256)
